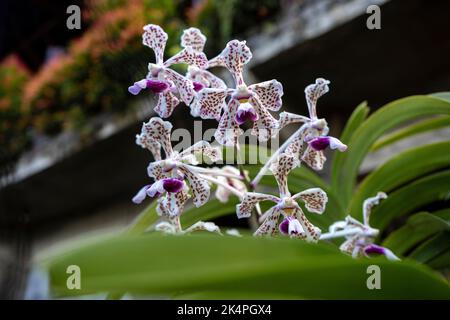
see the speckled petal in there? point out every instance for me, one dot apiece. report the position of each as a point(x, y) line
point(204, 149)
point(266, 126)
point(313, 92)
point(315, 199)
point(155, 38)
point(269, 226)
point(269, 93)
point(349, 246)
point(311, 232)
point(155, 170)
point(295, 148)
point(287, 118)
point(167, 102)
point(368, 205)
point(214, 81)
point(147, 142)
point(209, 103)
point(314, 159)
point(172, 204)
point(228, 130)
point(193, 38)
point(244, 209)
point(280, 169)
point(159, 130)
point(184, 86)
point(199, 187)
point(235, 55)
point(189, 56)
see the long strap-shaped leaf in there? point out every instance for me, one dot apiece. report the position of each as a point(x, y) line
point(413, 196)
point(414, 129)
point(406, 166)
point(418, 228)
point(163, 265)
point(386, 118)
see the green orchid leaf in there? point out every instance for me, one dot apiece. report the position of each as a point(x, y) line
point(403, 168)
point(416, 128)
point(164, 266)
point(387, 118)
point(424, 191)
point(417, 229)
point(357, 117)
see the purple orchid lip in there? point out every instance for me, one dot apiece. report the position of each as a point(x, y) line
point(246, 113)
point(134, 89)
point(284, 226)
point(198, 86)
point(157, 86)
point(172, 185)
point(319, 143)
point(374, 249)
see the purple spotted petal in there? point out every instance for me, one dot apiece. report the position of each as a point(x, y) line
point(157, 86)
point(198, 86)
point(172, 185)
point(320, 143)
point(245, 113)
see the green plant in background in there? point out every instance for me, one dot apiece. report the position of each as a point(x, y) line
point(13, 121)
point(89, 79)
point(144, 262)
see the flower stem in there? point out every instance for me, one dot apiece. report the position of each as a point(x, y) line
point(272, 158)
point(338, 234)
point(214, 172)
point(233, 190)
point(253, 221)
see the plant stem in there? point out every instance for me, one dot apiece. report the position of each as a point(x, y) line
point(338, 234)
point(253, 220)
point(214, 172)
point(272, 158)
point(223, 184)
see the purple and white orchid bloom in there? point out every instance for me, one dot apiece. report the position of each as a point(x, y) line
point(171, 172)
point(295, 224)
point(200, 77)
point(360, 236)
point(313, 132)
point(245, 103)
point(163, 81)
point(223, 193)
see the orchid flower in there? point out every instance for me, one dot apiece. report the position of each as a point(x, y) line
point(313, 132)
point(246, 103)
point(200, 77)
point(172, 172)
point(295, 223)
point(163, 81)
point(360, 236)
point(222, 193)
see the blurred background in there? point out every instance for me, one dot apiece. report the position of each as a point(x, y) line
point(68, 162)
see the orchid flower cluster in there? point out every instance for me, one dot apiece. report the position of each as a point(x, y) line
point(178, 176)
